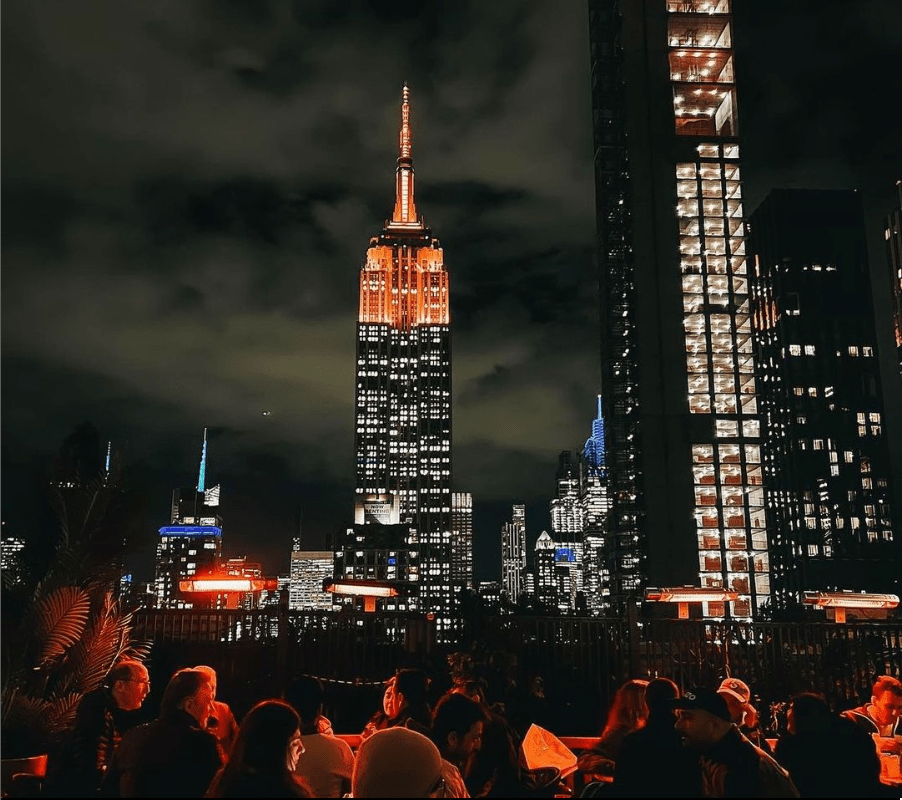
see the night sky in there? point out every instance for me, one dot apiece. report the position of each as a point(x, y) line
point(190, 187)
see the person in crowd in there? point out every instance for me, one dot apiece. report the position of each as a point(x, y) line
point(329, 762)
point(174, 756)
point(457, 732)
point(398, 762)
point(102, 717)
point(405, 703)
point(731, 765)
point(743, 714)
point(265, 757)
point(495, 769)
point(627, 713)
point(674, 770)
point(883, 715)
point(827, 755)
point(222, 722)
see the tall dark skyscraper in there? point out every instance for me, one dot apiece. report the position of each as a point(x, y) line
point(403, 394)
point(893, 236)
point(683, 454)
point(826, 457)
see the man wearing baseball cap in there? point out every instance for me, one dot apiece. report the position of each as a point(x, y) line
point(731, 765)
point(743, 713)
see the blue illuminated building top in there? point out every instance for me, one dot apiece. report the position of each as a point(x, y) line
point(201, 480)
point(564, 554)
point(190, 530)
point(594, 450)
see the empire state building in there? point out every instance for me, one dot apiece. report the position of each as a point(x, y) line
point(403, 380)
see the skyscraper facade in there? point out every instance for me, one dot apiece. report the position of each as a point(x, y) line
point(190, 543)
point(309, 568)
point(825, 452)
point(403, 385)
point(461, 540)
point(893, 236)
point(683, 449)
point(513, 554)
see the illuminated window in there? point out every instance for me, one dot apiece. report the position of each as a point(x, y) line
point(795, 350)
point(853, 350)
point(809, 349)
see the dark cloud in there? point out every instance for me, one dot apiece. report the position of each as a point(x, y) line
point(190, 187)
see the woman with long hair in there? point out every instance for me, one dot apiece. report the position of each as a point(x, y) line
point(264, 756)
point(628, 713)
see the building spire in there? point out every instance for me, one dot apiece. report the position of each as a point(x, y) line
point(202, 477)
point(106, 468)
point(405, 213)
point(595, 446)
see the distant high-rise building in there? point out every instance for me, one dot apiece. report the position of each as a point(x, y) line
point(825, 452)
point(462, 540)
point(12, 560)
point(543, 568)
point(594, 505)
point(403, 386)
point(513, 554)
point(191, 543)
point(566, 513)
point(309, 568)
point(893, 236)
point(377, 552)
point(567, 525)
point(683, 433)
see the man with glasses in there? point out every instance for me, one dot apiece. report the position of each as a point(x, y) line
point(175, 755)
point(102, 718)
point(882, 717)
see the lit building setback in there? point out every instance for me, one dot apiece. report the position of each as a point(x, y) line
point(683, 456)
point(403, 387)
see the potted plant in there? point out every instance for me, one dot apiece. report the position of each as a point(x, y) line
point(64, 630)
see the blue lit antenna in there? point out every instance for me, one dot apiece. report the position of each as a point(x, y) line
point(594, 450)
point(201, 479)
point(109, 450)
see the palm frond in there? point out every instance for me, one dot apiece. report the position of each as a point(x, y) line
point(59, 620)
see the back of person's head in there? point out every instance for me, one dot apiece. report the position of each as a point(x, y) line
point(413, 684)
point(123, 670)
point(809, 713)
point(183, 684)
point(887, 683)
point(396, 762)
point(628, 709)
point(454, 713)
point(659, 695)
point(264, 736)
point(306, 695)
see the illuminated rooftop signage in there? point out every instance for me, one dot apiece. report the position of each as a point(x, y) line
point(190, 530)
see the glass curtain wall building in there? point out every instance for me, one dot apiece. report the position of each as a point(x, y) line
point(683, 455)
point(826, 455)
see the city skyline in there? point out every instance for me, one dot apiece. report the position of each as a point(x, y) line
point(184, 254)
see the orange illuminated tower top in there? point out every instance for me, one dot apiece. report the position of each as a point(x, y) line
point(405, 213)
point(403, 282)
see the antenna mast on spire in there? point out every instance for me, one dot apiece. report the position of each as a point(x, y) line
point(405, 213)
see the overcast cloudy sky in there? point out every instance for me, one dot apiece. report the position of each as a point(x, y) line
point(190, 187)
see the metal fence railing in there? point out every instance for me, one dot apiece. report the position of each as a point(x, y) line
point(581, 660)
